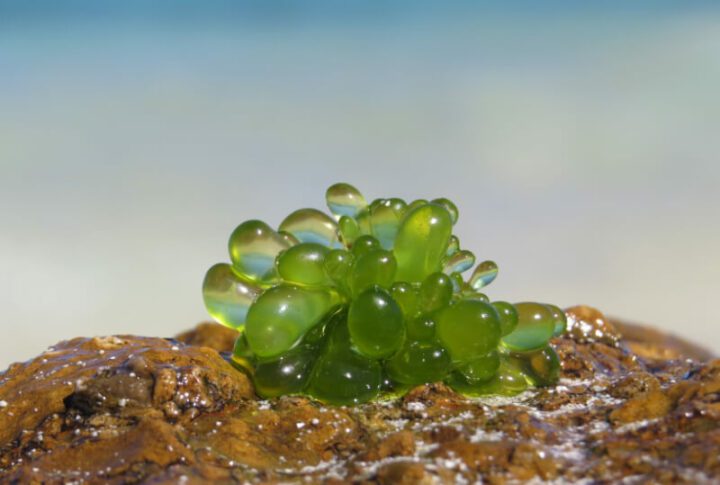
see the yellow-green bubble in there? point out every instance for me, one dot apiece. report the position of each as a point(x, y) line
point(228, 296)
point(421, 242)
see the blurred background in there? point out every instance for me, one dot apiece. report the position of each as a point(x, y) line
point(581, 144)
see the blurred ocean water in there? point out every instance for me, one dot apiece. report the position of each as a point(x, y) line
point(580, 143)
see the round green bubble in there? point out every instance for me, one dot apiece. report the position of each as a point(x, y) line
point(407, 296)
point(343, 380)
point(422, 241)
point(280, 317)
point(421, 328)
point(287, 374)
point(338, 263)
point(253, 247)
point(419, 363)
point(508, 381)
point(508, 316)
point(481, 369)
point(385, 220)
point(344, 200)
point(228, 296)
point(364, 244)
point(372, 267)
point(349, 230)
point(468, 329)
point(542, 366)
point(304, 264)
point(450, 207)
point(312, 226)
point(375, 323)
point(534, 329)
point(435, 292)
point(559, 318)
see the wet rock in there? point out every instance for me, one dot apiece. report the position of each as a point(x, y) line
point(134, 409)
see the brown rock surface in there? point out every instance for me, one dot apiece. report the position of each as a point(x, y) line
point(134, 409)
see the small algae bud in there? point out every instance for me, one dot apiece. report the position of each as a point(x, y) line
point(371, 300)
point(253, 248)
point(419, 362)
point(311, 225)
point(535, 327)
point(468, 329)
point(373, 267)
point(508, 316)
point(281, 315)
point(345, 200)
point(228, 296)
point(422, 241)
point(484, 274)
point(375, 323)
point(304, 264)
point(459, 262)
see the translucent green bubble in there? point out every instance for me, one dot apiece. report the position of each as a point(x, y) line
point(484, 274)
point(481, 369)
point(344, 200)
point(349, 230)
point(385, 220)
point(535, 328)
point(509, 381)
point(253, 247)
point(468, 329)
point(407, 297)
point(415, 204)
point(435, 292)
point(559, 318)
point(304, 264)
point(242, 354)
point(345, 378)
point(508, 316)
point(373, 267)
point(453, 246)
point(288, 238)
point(459, 262)
point(280, 317)
point(419, 363)
point(542, 366)
point(450, 207)
point(312, 226)
point(227, 296)
point(421, 328)
point(363, 244)
point(375, 323)
point(287, 374)
point(422, 241)
point(338, 264)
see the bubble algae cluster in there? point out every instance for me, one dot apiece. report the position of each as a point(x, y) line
point(371, 301)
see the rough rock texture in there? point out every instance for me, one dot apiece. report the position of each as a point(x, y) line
point(134, 409)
